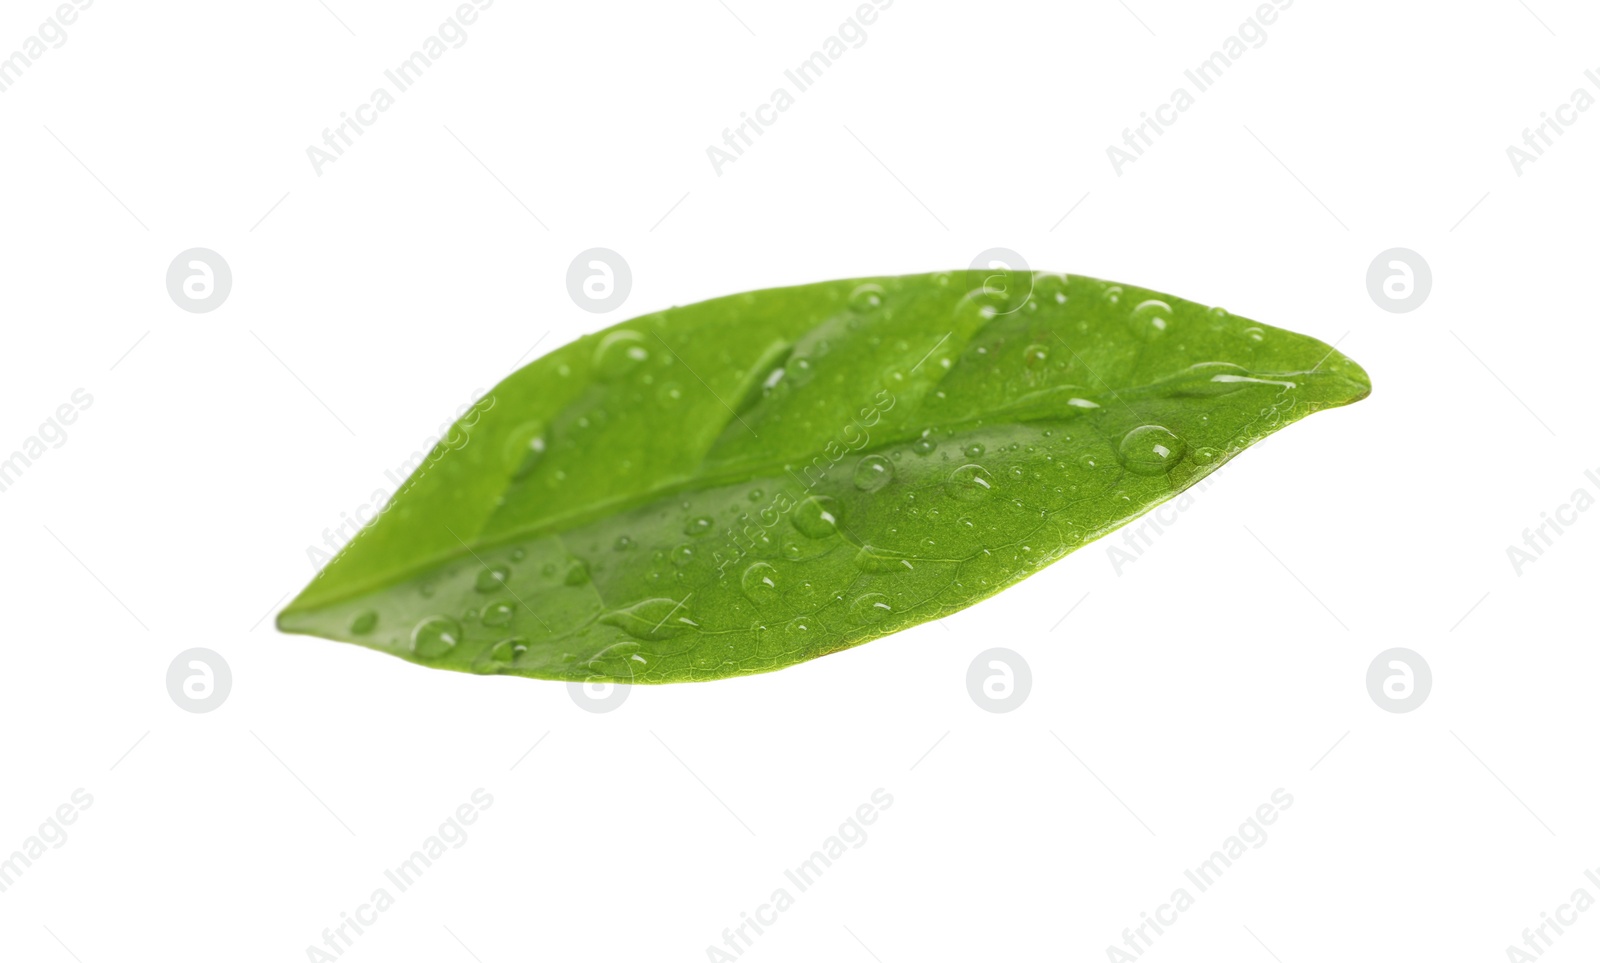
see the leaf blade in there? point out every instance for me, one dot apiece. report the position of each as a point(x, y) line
point(757, 480)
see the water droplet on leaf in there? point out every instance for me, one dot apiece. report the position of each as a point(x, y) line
point(870, 608)
point(880, 562)
point(507, 651)
point(800, 371)
point(867, 297)
point(577, 572)
point(760, 582)
point(492, 578)
point(620, 353)
point(1151, 450)
point(524, 449)
point(499, 613)
point(652, 620)
point(435, 637)
point(873, 472)
point(816, 517)
point(1152, 318)
point(970, 483)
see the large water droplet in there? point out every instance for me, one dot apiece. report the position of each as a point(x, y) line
point(1152, 318)
point(524, 449)
point(880, 562)
point(926, 444)
point(798, 548)
point(577, 572)
point(760, 582)
point(867, 297)
point(816, 517)
point(492, 578)
point(507, 651)
point(800, 371)
point(970, 483)
point(435, 637)
point(619, 353)
point(760, 542)
point(613, 662)
point(870, 608)
point(653, 619)
point(1207, 379)
point(1151, 450)
point(698, 526)
point(499, 613)
point(873, 472)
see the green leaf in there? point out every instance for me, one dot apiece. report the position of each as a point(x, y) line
point(753, 481)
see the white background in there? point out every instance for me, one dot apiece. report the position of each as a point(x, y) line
point(413, 273)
